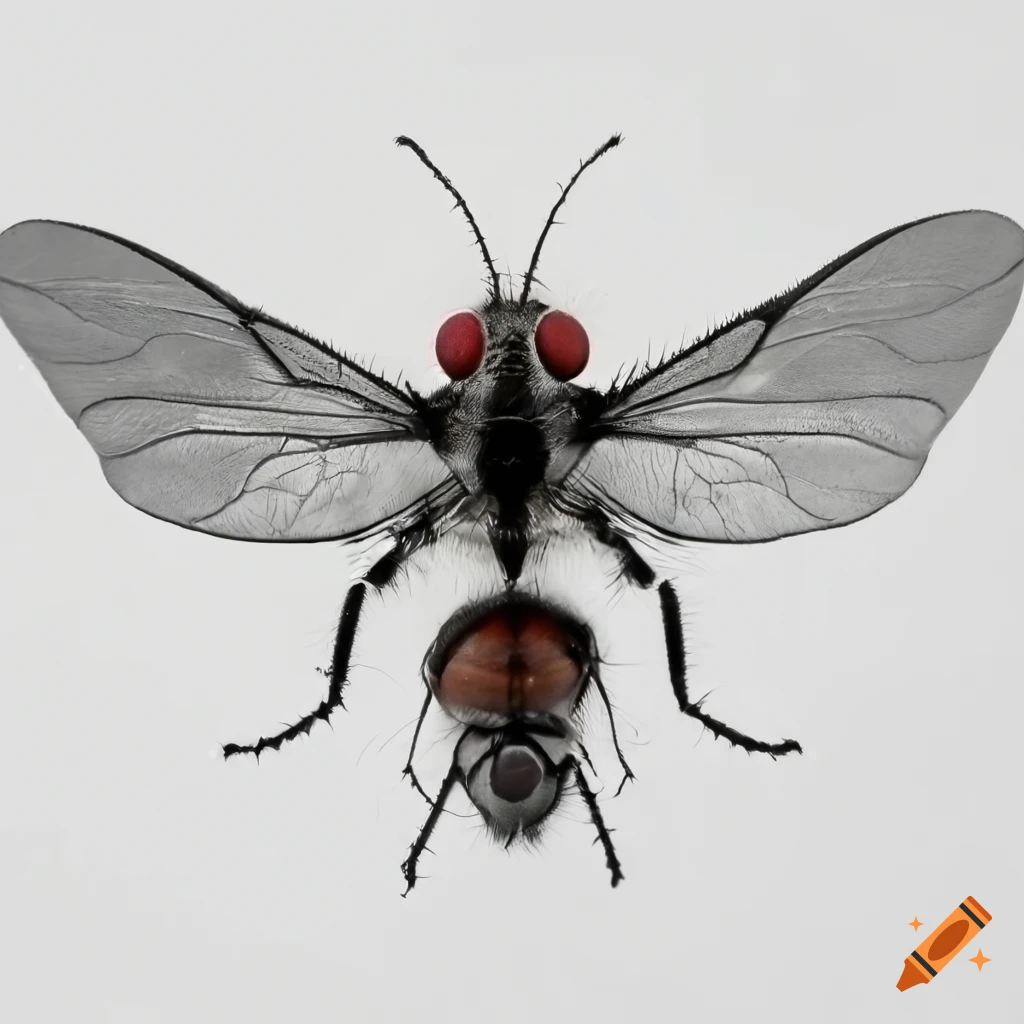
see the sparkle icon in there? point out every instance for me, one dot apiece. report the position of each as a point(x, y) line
point(980, 959)
point(915, 924)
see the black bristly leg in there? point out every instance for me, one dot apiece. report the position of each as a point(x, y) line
point(410, 862)
point(338, 675)
point(676, 650)
point(636, 571)
point(408, 769)
point(603, 834)
point(626, 770)
point(634, 568)
point(586, 757)
point(380, 575)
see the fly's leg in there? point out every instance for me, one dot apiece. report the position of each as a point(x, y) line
point(586, 757)
point(677, 673)
point(627, 772)
point(640, 574)
point(380, 575)
point(603, 833)
point(338, 676)
point(408, 769)
point(437, 806)
point(632, 566)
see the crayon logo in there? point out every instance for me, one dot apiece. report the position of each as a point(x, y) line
point(944, 943)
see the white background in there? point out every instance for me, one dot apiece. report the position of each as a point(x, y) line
point(142, 879)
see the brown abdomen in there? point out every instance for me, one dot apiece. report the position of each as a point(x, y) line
point(514, 660)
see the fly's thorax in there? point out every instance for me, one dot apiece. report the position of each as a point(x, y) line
point(514, 776)
point(521, 406)
point(509, 424)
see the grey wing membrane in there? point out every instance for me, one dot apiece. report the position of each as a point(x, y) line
point(203, 411)
point(819, 407)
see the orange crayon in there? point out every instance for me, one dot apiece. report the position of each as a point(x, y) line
point(943, 944)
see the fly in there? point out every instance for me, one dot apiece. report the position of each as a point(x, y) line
point(807, 412)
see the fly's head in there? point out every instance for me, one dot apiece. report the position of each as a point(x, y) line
point(514, 358)
point(513, 349)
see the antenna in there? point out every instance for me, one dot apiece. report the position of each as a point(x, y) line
point(584, 164)
point(404, 140)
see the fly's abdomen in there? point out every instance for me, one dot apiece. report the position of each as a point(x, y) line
point(513, 662)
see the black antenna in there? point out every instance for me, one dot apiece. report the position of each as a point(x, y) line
point(404, 140)
point(584, 164)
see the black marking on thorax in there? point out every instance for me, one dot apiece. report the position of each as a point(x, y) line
point(514, 456)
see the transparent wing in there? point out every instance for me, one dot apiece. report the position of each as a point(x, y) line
point(203, 411)
point(819, 407)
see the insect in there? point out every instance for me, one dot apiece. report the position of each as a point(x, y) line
point(807, 412)
point(513, 669)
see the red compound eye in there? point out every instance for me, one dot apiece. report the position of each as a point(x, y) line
point(562, 345)
point(460, 345)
